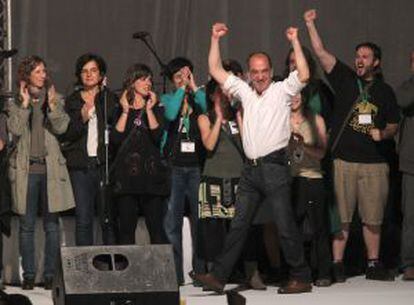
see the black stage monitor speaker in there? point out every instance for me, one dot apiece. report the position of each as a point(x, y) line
point(115, 275)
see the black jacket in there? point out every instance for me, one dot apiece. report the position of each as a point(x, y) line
point(138, 167)
point(74, 141)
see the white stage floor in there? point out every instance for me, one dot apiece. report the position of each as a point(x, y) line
point(356, 291)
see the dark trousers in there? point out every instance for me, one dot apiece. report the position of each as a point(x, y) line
point(407, 253)
point(308, 200)
point(266, 181)
point(88, 194)
point(152, 207)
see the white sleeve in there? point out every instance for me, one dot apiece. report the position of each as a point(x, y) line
point(237, 88)
point(292, 85)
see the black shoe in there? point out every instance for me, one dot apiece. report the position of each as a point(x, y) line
point(323, 282)
point(379, 273)
point(48, 283)
point(28, 284)
point(408, 274)
point(196, 283)
point(338, 271)
point(294, 286)
point(210, 281)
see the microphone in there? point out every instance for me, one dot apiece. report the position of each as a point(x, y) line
point(140, 35)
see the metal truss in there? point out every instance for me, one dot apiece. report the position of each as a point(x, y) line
point(5, 44)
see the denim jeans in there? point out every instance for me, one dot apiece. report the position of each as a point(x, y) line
point(37, 193)
point(185, 183)
point(87, 193)
point(266, 181)
point(85, 189)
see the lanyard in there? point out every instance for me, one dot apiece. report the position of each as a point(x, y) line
point(186, 124)
point(364, 93)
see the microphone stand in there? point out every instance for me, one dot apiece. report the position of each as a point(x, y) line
point(106, 135)
point(160, 63)
point(108, 233)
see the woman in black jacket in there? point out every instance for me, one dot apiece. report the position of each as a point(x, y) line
point(141, 181)
point(84, 145)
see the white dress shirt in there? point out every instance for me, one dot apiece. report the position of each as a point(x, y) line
point(92, 142)
point(266, 118)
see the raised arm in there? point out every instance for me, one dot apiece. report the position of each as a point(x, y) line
point(326, 59)
point(301, 64)
point(214, 58)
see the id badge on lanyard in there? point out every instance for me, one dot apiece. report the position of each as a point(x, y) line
point(364, 118)
point(186, 145)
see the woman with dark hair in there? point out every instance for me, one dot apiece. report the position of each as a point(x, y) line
point(84, 144)
point(37, 169)
point(317, 94)
point(141, 181)
point(185, 152)
point(307, 148)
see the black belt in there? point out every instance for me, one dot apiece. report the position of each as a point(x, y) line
point(93, 162)
point(276, 157)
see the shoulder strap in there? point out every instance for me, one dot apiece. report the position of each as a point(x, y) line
point(363, 93)
point(122, 149)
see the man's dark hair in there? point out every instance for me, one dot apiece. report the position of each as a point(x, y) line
point(376, 50)
point(262, 54)
point(176, 65)
point(83, 60)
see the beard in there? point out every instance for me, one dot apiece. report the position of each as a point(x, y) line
point(366, 73)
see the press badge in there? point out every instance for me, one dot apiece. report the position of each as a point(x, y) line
point(187, 146)
point(365, 119)
point(234, 129)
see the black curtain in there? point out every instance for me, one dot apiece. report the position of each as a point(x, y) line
point(61, 30)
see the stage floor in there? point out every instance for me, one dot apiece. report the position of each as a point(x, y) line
point(356, 291)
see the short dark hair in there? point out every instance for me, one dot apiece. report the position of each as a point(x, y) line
point(134, 72)
point(83, 60)
point(26, 66)
point(262, 54)
point(376, 50)
point(177, 64)
point(233, 65)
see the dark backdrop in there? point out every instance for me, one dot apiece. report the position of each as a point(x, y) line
point(61, 30)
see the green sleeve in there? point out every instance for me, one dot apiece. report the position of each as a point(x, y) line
point(172, 104)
